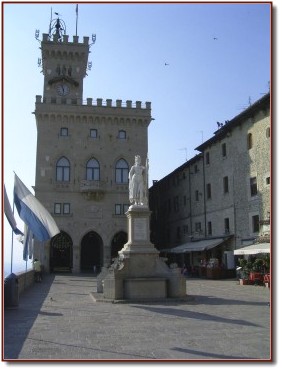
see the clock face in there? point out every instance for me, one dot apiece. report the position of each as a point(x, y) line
point(63, 89)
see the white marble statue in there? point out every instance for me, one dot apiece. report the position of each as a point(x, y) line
point(138, 183)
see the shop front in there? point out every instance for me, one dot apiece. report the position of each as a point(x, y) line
point(207, 258)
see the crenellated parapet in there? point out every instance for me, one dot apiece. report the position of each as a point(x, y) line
point(65, 39)
point(98, 112)
point(99, 102)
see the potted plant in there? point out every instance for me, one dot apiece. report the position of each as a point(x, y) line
point(257, 265)
point(256, 274)
point(266, 263)
point(245, 271)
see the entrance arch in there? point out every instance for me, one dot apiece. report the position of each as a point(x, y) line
point(91, 252)
point(61, 253)
point(118, 242)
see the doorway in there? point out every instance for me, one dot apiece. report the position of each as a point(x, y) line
point(61, 253)
point(91, 252)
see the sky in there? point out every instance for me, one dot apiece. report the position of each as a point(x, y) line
point(196, 63)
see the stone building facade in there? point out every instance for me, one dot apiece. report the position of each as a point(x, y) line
point(84, 152)
point(223, 193)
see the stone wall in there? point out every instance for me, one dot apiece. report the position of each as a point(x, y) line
point(26, 279)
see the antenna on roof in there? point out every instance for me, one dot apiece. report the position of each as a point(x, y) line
point(184, 149)
point(202, 135)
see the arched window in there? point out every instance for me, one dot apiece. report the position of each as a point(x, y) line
point(63, 170)
point(121, 171)
point(92, 170)
point(122, 134)
point(250, 141)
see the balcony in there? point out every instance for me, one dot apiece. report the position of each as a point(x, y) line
point(93, 189)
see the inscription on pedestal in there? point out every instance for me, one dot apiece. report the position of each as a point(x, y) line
point(140, 229)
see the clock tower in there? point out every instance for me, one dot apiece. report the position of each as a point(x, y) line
point(64, 64)
point(85, 148)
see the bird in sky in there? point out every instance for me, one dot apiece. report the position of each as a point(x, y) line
point(215, 38)
point(166, 64)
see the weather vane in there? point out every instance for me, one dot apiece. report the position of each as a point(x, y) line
point(57, 27)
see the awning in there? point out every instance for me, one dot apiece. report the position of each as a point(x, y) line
point(260, 248)
point(202, 245)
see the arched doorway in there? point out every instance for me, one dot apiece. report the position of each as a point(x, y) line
point(118, 242)
point(91, 252)
point(61, 253)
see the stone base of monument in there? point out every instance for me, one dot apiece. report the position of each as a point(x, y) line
point(139, 273)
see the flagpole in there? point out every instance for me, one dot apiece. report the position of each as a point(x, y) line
point(12, 247)
point(12, 243)
point(50, 25)
point(25, 274)
point(76, 10)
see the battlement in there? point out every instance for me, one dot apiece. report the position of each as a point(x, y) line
point(99, 102)
point(55, 39)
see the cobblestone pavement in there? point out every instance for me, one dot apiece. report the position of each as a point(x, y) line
point(59, 319)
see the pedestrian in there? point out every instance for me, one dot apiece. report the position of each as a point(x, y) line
point(37, 270)
point(184, 270)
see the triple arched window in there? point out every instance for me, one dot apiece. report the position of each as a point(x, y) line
point(92, 170)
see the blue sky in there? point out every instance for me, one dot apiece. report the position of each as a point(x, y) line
point(218, 58)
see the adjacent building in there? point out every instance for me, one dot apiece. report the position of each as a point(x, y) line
point(219, 200)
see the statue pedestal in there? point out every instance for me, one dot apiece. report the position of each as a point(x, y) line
point(139, 273)
point(138, 232)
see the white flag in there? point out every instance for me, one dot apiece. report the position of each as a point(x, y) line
point(33, 213)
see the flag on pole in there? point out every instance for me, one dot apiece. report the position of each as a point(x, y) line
point(9, 214)
point(33, 213)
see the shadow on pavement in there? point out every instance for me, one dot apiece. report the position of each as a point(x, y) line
point(215, 300)
point(194, 315)
point(18, 321)
point(208, 355)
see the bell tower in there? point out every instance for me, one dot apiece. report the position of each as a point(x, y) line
point(85, 148)
point(64, 64)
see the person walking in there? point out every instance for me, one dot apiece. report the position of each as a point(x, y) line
point(37, 270)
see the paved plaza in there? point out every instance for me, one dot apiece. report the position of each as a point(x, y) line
point(59, 319)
